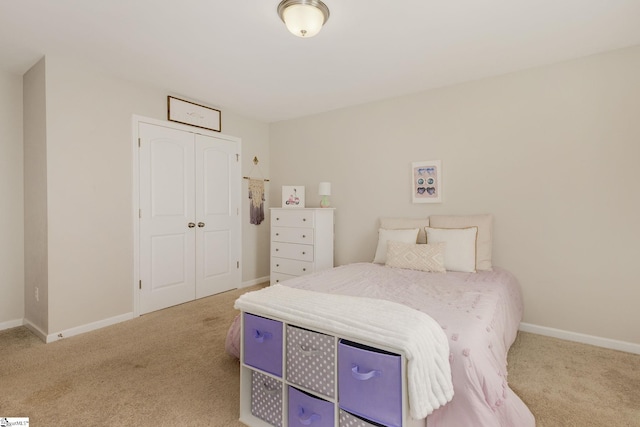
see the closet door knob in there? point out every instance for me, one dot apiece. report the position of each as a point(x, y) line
point(191, 225)
point(201, 224)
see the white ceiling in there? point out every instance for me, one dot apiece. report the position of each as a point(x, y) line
point(237, 54)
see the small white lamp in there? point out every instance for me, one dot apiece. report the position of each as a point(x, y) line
point(324, 190)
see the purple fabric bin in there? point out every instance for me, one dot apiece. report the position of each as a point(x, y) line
point(370, 383)
point(263, 344)
point(307, 410)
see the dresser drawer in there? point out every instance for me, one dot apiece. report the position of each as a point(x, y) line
point(311, 360)
point(292, 218)
point(263, 343)
point(279, 277)
point(292, 251)
point(307, 410)
point(291, 266)
point(370, 383)
point(292, 235)
point(266, 398)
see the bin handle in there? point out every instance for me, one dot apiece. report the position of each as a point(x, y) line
point(260, 336)
point(268, 389)
point(363, 376)
point(306, 351)
point(307, 419)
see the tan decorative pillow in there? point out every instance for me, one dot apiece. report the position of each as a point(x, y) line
point(404, 223)
point(485, 233)
point(416, 257)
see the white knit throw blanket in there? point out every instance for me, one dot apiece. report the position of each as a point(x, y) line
point(387, 323)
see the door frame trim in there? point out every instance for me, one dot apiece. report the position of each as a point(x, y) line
point(135, 193)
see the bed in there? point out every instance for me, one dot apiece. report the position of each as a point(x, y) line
point(478, 310)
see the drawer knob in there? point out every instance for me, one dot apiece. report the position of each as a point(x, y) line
point(277, 219)
point(364, 376)
point(304, 253)
point(304, 219)
point(304, 269)
point(277, 265)
point(304, 236)
point(277, 249)
point(277, 234)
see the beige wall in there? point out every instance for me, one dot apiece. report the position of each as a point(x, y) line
point(90, 186)
point(12, 200)
point(551, 152)
point(255, 238)
point(35, 198)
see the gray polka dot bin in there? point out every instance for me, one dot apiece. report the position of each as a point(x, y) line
point(349, 420)
point(266, 398)
point(311, 360)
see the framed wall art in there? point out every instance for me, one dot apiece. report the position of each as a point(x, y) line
point(426, 181)
point(192, 114)
point(293, 196)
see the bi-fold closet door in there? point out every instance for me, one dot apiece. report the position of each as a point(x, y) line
point(189, 216)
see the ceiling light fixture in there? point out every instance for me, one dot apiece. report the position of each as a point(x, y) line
point(303, 18)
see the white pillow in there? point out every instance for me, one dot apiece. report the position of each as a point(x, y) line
point(460, 247)
point(485, 233)
point(416, 256)
point(407, 223)
point(405, 236)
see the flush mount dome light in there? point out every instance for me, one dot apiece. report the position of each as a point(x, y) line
point(303, 18)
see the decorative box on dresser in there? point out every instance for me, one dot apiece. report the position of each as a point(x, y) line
point(301, 242)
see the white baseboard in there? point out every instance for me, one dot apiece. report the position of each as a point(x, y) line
point(88, 327)
point(255, 282)
point(11, 324)
point(581, 338)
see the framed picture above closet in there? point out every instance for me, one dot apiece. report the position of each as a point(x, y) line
point(192, 114)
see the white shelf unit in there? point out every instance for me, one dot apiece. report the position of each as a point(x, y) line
point(249, 419)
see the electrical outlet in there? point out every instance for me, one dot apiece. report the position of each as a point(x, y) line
point(37, 295)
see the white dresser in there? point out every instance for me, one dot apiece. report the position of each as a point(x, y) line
point(301, 241)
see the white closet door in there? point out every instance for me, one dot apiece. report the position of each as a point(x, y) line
point(217, 211)
point(167, 204)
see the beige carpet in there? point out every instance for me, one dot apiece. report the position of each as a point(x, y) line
point(169, 368)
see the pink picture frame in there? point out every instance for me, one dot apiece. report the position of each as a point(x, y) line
point(426, 181)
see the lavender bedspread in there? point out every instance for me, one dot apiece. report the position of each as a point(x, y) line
point(479, 312)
